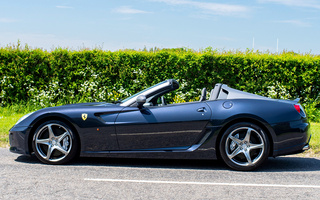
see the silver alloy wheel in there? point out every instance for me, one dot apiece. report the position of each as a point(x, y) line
point(244, 146)
point(53, 142)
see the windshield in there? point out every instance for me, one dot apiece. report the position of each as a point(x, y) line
point(129, 99)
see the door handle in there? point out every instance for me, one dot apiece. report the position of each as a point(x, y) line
point(203, 109)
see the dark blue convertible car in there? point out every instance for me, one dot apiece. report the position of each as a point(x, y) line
point(240, 128)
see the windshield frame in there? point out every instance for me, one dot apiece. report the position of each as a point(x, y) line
point(147, 92)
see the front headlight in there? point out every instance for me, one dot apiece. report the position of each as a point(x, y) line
point(23, 118)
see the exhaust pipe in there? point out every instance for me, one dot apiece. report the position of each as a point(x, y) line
point(306, 147)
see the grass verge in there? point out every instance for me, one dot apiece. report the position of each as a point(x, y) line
point(315, 141)
point(7, 120)
point(10, 115)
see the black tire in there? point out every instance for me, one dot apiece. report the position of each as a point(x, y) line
point(54, 142)
point(244, 146)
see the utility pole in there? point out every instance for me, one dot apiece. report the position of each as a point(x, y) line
point(253, 44)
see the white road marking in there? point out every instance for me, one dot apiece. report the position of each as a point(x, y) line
point(203, 183)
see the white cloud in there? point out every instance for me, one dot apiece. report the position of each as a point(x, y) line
point(296, 3)
point(129, 10)
point(213, 8)
point(7, 20)
point(64, 7)
point(295, 22)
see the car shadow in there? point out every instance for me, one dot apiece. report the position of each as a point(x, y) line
point(290, 163)
point(134, 162)
point(279, 164)
point(30, 159)
point(152, 163)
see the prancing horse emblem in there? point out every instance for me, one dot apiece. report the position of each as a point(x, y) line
point(84, 116)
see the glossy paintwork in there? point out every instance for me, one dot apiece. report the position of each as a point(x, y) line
point(162, 126)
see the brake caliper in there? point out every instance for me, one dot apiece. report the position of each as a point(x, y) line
point(65, 143)
point(233, 144)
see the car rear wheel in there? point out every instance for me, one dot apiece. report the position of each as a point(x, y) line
point(54, 142)
point(244, 146)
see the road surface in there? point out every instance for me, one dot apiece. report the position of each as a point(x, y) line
point(23, 177)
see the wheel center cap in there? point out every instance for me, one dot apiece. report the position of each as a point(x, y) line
point(54, 142)
point(244, 146)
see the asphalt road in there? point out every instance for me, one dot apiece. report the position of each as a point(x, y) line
point(23, 177)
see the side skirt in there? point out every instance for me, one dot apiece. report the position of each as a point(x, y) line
point(166, 153)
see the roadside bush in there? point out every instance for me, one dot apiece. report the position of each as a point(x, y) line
point(65, 76)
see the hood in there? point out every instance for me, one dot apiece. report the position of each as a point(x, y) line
point(84, 105)
point(69, 111)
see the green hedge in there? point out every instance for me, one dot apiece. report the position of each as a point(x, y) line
point(65, 76)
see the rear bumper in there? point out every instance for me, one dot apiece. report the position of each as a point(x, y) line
point(292, 137)
point(18, 139)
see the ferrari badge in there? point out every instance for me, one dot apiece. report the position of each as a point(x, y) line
point(84, 116)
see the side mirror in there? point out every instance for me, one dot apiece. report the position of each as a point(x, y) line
point(141, 99)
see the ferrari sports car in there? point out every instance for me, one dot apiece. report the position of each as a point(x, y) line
point(240, 128)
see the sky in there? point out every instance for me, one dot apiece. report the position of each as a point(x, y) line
point(264, 25)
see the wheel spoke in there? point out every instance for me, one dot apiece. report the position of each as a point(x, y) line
point(61, 137)
point(59, 148)
point(248, 135)
point(235, 152)
point(43, 141)
point(49, 152)
point(256, 146)
point(236, 140)
point(51, 134)
point(247, 154)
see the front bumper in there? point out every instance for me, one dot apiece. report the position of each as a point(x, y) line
point(18, 139)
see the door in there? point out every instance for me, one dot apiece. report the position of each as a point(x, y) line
point(166, 127)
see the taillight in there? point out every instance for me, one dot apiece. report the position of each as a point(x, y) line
point(300, 110)
point(297, 107)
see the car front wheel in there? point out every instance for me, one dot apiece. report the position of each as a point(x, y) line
point(244, 146)
point(54, 142)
